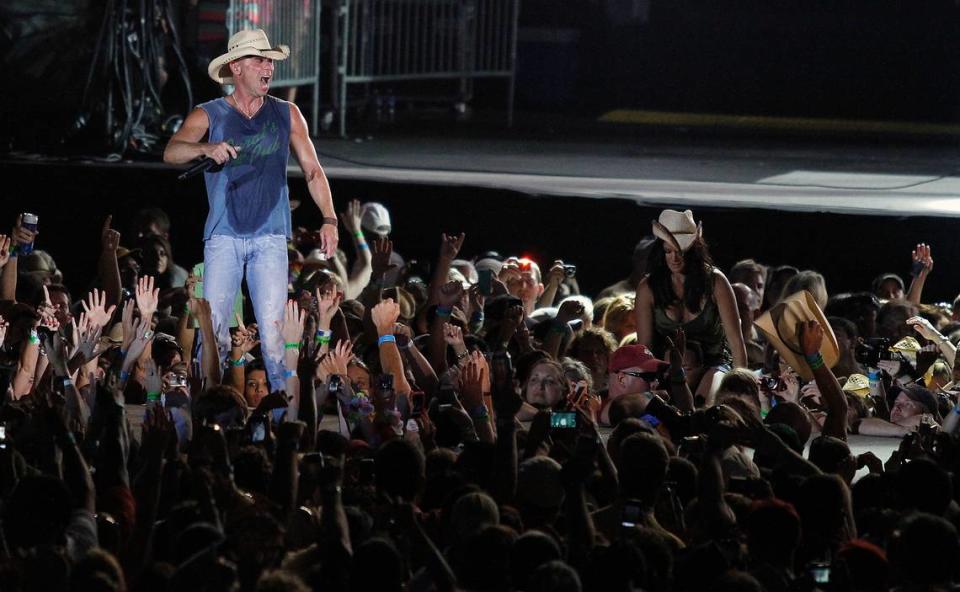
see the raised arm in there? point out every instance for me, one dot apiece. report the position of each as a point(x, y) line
point(107, 265)
point(384, 317)
point(927, 331)
point(210, 358)
point(449, 248)
point(291, 329)
point(922, 266)
point(643, 313)
point(811, 338)
point(363, 264)
point(317, 183)
point(8, 265)
point(727, 304)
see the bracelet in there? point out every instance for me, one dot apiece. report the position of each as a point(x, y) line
point(462, 355)
point(477, 315)
point(444, 311)
point(815, 361)
point(186, 309)
point(323, 337)
point(291, 345)
point(34, 339)
point(288, 374)
point(123, 353)
point(68, 438)
point(387, 339)
point(153, 397)
point(358, 234)
point(124, 375)
point(480, 412)
point(241, 361)
point(331, 221)
point(67, 382)
point(363, 246)
point(405, 345)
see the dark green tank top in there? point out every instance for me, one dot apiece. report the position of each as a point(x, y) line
point(706, 329)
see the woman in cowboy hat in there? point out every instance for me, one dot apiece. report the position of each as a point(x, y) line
point(685, 291)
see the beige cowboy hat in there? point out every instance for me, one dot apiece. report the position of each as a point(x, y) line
point(677, 228)
point(781, 325)
point(241, 45)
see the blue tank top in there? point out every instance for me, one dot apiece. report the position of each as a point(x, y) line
point(249, 196)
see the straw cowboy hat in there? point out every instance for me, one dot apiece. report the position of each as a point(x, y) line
point(244, 44)
point(677, 228)
point(780, 324)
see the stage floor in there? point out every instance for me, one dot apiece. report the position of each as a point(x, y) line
point(866, 177)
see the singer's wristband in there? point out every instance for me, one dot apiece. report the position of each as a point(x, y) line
point(331, 221)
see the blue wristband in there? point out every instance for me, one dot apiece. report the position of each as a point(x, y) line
point(443, 311)
point(363, 246)
point(124, 375)
point(288, 374)
point(387, 339)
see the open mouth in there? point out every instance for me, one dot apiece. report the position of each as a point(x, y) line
point(265, 80)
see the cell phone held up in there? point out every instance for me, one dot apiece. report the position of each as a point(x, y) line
point(566, 420)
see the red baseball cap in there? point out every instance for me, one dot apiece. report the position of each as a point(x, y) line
point(634, 356)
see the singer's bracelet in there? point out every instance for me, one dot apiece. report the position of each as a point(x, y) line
point(331, 221)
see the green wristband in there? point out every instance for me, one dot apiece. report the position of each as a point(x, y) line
point(291, 345)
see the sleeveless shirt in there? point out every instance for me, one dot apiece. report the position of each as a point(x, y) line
point(706, 329)
point(248, 196)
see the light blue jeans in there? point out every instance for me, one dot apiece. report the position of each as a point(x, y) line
point(264, 261)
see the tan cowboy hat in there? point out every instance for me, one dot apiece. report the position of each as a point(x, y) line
point(780, 324)
point(241, 45)
point(677, 228)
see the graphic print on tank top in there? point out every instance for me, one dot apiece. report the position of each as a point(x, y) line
point(251, 194)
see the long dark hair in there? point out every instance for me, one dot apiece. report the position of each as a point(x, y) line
point(697, 271)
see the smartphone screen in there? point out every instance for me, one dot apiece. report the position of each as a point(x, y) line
point(416, 404)
point(563, 421)
point(632, 513)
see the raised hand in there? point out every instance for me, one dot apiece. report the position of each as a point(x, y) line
point(95, 308)
point(450, 245)
point(351, 218)
point(142, 335)
point(385, 315)
point(200, 309)
point(557, 273)
point(381, 250)
point(47, 312)
point(244, 338)
point(472, 381)
point(88, 337)
point(677, 348)
point(925, 329)
point(21, 235)
point(109, 238)
point(569, 310)
point(337, 360)
point(4, 250)
point(4, 325)
point(811, 337)
point(922, 260)
point(147, 296)
point(453, 336)
point(291, 329)
point(327, 303)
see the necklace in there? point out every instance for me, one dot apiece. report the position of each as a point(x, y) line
point(244, 111)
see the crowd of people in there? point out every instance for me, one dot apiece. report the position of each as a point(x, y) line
point(476, 424)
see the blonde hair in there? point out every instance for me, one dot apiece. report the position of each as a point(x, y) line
point(618, 312)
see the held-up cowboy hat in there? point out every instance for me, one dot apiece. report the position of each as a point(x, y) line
point(781, 326)
point(241, 45)
point(677, 228)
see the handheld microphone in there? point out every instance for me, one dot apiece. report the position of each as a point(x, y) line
point(203, 165)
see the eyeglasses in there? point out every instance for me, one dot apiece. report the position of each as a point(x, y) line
point(648, 376)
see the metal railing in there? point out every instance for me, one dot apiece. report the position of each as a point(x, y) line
point(398, 40)
point(290, 22)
